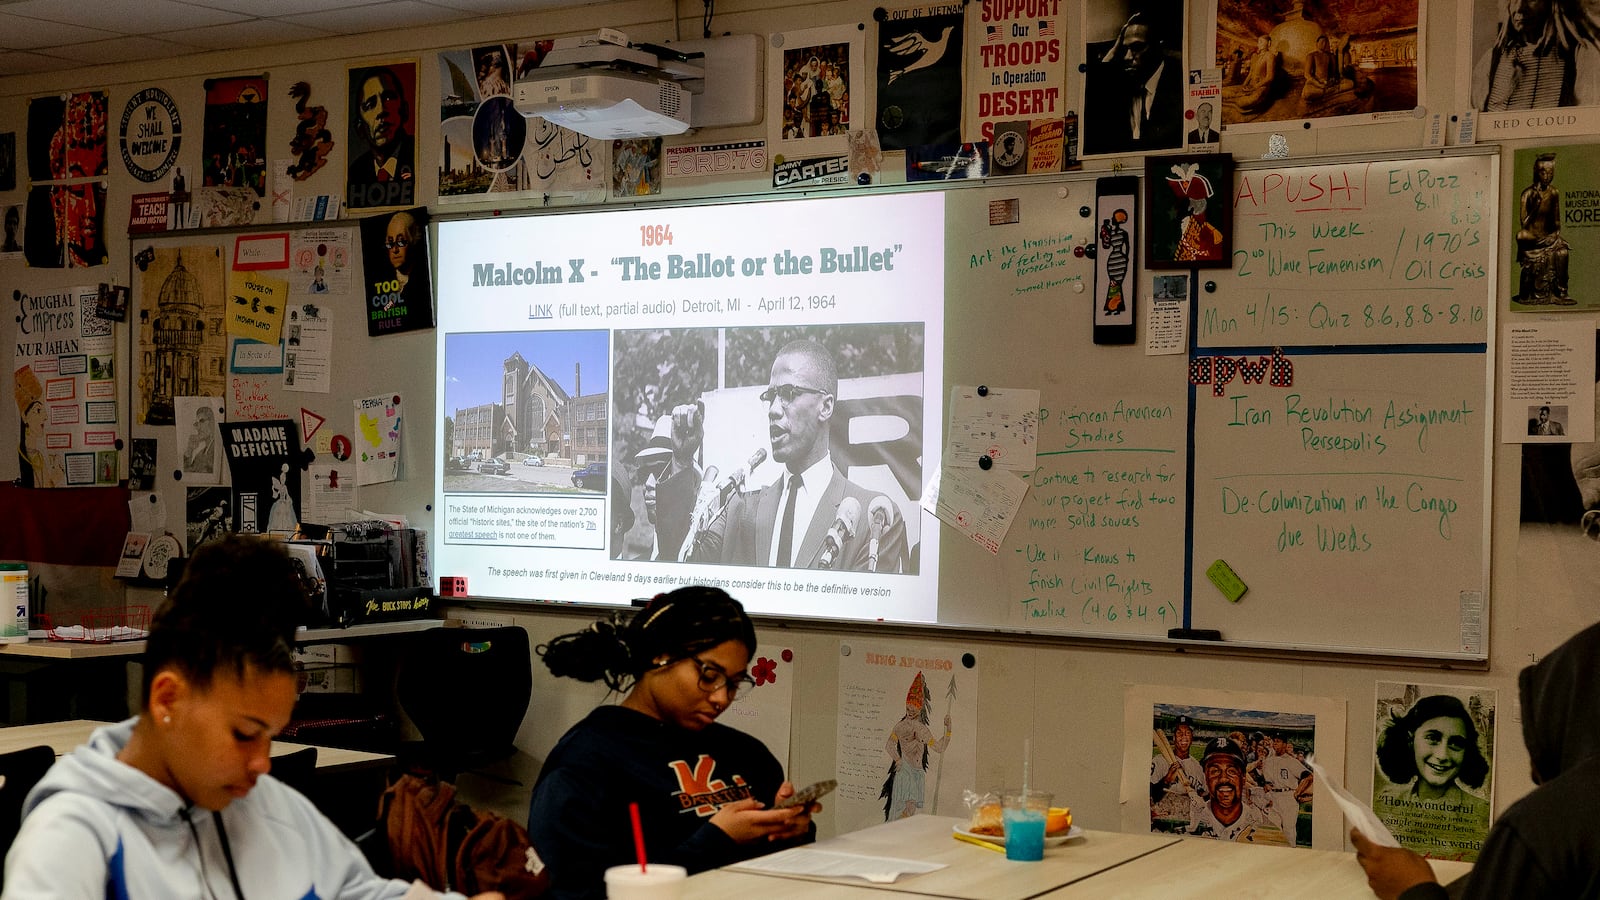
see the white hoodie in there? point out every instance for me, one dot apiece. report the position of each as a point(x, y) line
point(96, 828)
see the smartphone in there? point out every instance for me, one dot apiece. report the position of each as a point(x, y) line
point(808, 795)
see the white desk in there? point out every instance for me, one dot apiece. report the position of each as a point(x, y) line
point(63, 736)
point(970, 873)
point(1098, 865)
point(1200, 867)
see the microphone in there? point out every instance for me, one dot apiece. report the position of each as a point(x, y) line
point(735, 480)
point(877, 524)
point(712, 501)
point(845, 522)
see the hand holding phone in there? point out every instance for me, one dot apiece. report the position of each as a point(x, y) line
point(807, 795)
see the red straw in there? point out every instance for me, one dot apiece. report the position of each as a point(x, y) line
point(638, 834)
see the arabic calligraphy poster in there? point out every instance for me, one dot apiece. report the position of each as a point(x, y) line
point(907, 731)
point(920, 49)
point(487, 147)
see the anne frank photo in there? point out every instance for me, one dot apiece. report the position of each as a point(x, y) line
point(778, 447)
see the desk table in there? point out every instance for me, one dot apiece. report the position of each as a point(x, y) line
point(47, 649)
point(970, 873)
point(63, 736)
point(1201, 867)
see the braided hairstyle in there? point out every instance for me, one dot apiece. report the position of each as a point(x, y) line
point(616, 650)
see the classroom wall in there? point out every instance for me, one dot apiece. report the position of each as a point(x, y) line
point(1065, 695)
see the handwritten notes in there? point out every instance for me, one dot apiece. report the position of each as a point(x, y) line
point(1390, 252)
point(999, 423)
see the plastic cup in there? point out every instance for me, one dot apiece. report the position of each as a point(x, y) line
point(1023, 815)
point(657, 882)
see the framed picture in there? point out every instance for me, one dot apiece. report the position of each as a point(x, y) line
point(1188, 211)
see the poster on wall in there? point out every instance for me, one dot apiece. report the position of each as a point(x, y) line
point(1557, 190)
point(264, 465)
point(1019, 69)
point(397, 289)
point(150, 134)
point(1134, 83)
point(191, 281)
point(200, 458)
point(815, 85)
point(233, 152)
point(485, 145)
point(1433, 784)
point(383, 151)
point(64, 382)
point(312, 140)
point(907, 731)
point(635, 167)
point(319, 261)
point(377, 441)
point(1230, 765)
point(65, 225)
point(67, 136)
point(920, 51)
point(1328, 63)
point(1533, 68)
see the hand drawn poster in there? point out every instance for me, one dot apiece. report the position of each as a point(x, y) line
point(907, 731)
point(377, 439)
point(63, 379)
point(180, 295)
point(1434, 780)
point(256, 307)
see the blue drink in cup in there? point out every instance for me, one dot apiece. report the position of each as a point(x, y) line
point(1024, 817)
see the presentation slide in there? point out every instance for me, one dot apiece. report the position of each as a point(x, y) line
point(743, 395)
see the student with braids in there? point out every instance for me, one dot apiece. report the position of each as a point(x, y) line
point(177, 802)
point(706, 792)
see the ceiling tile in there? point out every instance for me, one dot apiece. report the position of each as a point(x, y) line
point(380, 17)
point(122, 49)
point(24, 63)
point(501, 6)
point(19, 33)
point(277, 8)
point(123, 16)
point(252, 33)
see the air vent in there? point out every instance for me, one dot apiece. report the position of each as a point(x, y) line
point(670, 104)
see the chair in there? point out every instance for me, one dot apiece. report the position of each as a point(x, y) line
point(20, 770)
point(466, 690)
point(298, 770)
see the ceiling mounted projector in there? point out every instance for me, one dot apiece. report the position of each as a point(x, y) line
point(602, 87)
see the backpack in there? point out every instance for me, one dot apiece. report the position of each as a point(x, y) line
point(451, 846)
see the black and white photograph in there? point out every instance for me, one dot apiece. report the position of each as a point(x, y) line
point(1534, 54)
point(1135, 86)
point(1434, 779)
point(768, 446)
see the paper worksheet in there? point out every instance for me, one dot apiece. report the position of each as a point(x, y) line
point(979, 504)
point(825, 863)
point(1000, 423)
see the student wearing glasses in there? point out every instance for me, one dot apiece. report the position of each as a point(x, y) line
point(793, 522)
point(706, 792)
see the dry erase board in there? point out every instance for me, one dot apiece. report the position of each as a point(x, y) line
point(1353, 490)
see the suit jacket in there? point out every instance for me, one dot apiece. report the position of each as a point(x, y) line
point(1210, 136)
point(1108, 108)
point(744, 535)
point(363, 171)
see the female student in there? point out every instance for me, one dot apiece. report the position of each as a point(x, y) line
point(177, 802)
point(705, 791)
point(1428, 754)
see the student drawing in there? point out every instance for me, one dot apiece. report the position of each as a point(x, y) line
point(910, 742)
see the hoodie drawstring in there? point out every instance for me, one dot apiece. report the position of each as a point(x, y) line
point(227, 854)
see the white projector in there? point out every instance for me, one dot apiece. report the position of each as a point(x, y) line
point(606, 103)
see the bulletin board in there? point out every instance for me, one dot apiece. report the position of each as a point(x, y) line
point(184, 289)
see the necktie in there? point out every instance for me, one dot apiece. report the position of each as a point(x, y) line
point(786, 531)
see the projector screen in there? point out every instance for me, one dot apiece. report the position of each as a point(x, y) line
point(624, 393)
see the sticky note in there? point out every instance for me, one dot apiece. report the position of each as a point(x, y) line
point(1221, 575)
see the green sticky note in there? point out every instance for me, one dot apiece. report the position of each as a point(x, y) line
point(1226, 581)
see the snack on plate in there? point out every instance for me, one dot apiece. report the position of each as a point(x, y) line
point(1058, 821)
point(985, 813)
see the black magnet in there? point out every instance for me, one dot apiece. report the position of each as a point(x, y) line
point(985, 463)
